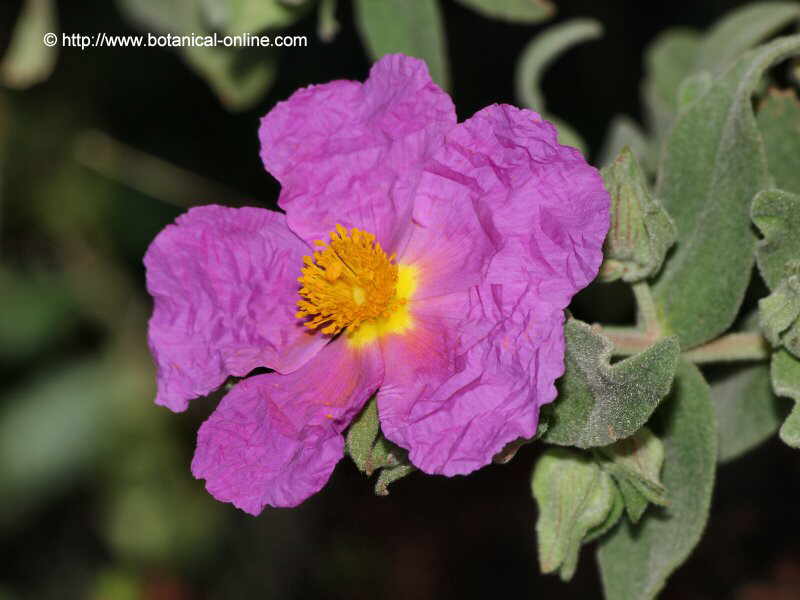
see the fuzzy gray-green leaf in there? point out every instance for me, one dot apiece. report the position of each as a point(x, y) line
point(635, 502)
point(641, 231)
point(777, 215)
point(543, 50)
point(785, 372)
point(413, 28)
point(668, 60)
point(389, 475)
point(713, 165)
point(574, 496)
point(362, 434)
point(516, 11)
point(598, 403)
point(742, 29)
point(624, 131)
point(254, 16)
point(679, 53)
point(238, 76)
point(539, 54)
point(366, 445)
point(779, 121)
point(617, 508)
point(693, 87)
point(635, 560)
point(778, 314)
point(747, 410)
point(28, 60)
point(637, 460)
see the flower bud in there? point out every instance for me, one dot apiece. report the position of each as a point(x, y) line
point(641, 231)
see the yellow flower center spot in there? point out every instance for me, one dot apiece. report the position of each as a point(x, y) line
point(349, 283)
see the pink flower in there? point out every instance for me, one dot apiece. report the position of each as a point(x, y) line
point(438, 260)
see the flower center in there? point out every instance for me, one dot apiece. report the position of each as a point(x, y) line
point(350, 280)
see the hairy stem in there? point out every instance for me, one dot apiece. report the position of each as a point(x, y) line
point(648, 318)
point(731, 347)
point(628, 340)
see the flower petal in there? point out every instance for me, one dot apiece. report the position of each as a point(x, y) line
point(224, 281)
point(275, 439)
point(352, 153)
point(450, 245)
point(473, 371)
point(546, 203)
point(464, 381)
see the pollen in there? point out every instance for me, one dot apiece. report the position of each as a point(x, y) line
point(349, 281)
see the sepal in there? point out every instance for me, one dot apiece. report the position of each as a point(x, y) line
point(641, 230)
point(785, 372)
point(635, 463)
point(779, 315)
point(575, 496)
point(372, 452)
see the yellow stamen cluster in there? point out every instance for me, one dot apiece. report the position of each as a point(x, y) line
point(350, 280)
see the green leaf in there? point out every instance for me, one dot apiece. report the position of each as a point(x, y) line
point(598, 403)
point(238, 76)
point(778, 315)
point(160, 16)
point(785, 372)
point(713, 165)
point(327, 25)
point(516, 11)
point(641, 231)
point(635, 560)
point(574, 496)
point(624, 131)
point(679, 53)
point(254, 16)
point(413, 28)
point(362, 434)
point(42, 307)
point(693, 87)
point(742, 29)
point(538, 55)
point(747, 411)
point(390, 475)
point(366, 445)
point(779, 122)
point(51, 431)
point(29, 60)
point(668, 61)
point(637, 460)
point(617, 508)
point(567, 135)
point(635, 502)
point(777, 214)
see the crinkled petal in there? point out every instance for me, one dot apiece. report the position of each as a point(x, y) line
point(275, 439)
point(546, 203)
point(465, 381)
point(351, 153)
point(451, 242)
point(224, 283)
point(477, 365)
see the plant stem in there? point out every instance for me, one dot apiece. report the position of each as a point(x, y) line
point(648, 318)
point(627, 340)
point(731, 347)
point(632, 340)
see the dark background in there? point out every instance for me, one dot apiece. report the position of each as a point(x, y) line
point(98, 499)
